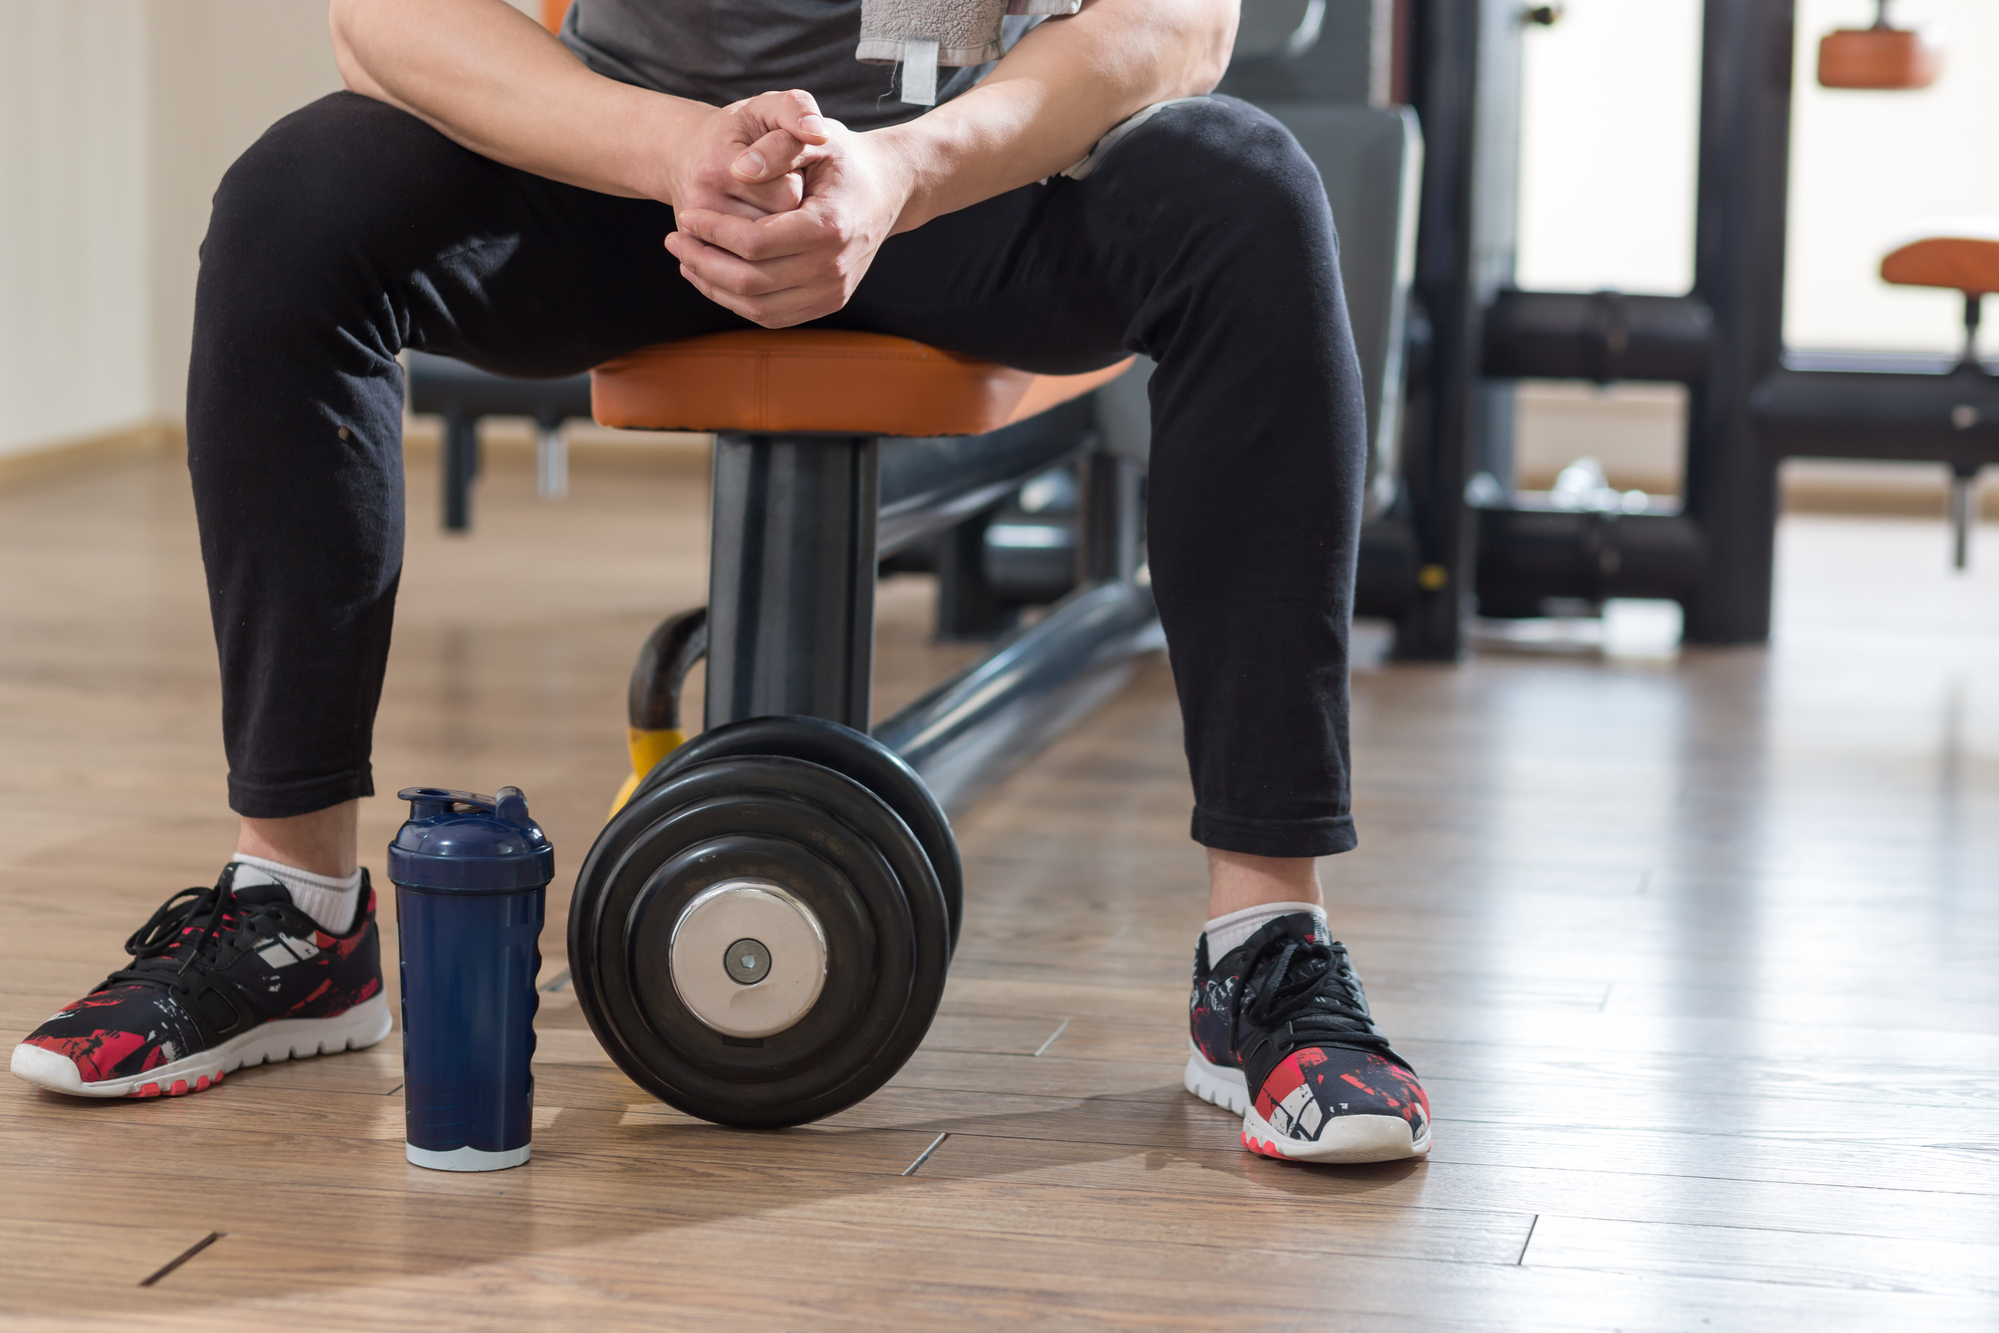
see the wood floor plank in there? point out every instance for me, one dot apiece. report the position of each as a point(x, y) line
point(1761, 1254)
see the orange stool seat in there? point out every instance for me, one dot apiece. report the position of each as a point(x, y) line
point(1961, 255)
point(1880, 58)
point(822, 381)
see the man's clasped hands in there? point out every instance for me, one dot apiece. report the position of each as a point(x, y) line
point(778, 211)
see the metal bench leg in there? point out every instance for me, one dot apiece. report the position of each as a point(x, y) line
point(968, 608)
point(791, 584)
point(1963, 513)
point(1111, 543)
point(461, 466)
point(551, 459)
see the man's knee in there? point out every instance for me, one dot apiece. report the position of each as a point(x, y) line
point(1222, 159)
point(312, 207)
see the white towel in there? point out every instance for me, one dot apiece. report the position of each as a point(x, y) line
point(920, 35)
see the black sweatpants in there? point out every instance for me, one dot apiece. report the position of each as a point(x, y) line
point(352, 230)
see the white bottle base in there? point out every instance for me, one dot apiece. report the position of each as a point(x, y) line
point(467, 1158)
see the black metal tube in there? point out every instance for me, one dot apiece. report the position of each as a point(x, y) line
point(1600, 336)
point(1465, 71)
point(1111, 542)
point(1527, 555)
point(652, 701)
point(1739, 235)
point(460, 464)
point(791, 583)
point(968, 606)
point(440, 384)
point(1952, 419)
point(969, 733)
point(928, 485)
point(1385, 581)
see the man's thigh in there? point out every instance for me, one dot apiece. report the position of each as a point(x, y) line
point(1209, 210)
point(357, 216)
point(1011, 279)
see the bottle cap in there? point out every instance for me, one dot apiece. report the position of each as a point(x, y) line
point(460, 841)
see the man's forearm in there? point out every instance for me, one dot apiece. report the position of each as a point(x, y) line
point(1056, 93)
point(492, 79)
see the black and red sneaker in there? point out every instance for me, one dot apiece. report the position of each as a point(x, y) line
point(1284, 1014)
point(221, 978)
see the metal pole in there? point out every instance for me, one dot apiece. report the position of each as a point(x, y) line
point(461, 466)
point(968, 733)
point(1731, 478)
point(1110, 545)
point(791, 585)
point(1963, 496)
point(1466, 92)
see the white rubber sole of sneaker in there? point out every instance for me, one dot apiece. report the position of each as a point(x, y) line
point(280, 1039)
point(1346, 1138)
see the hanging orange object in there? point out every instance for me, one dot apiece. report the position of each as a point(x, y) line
point(552, 12)
point(1881, 57)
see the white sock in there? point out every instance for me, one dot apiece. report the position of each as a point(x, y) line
point(331, 900)
point(1232, 930)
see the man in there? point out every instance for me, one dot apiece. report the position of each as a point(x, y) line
point(536, 207)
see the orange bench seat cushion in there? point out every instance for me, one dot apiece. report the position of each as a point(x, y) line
point(1964, 257)
point(822, 380)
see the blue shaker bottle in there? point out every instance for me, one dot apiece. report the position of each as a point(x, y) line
point(471, 875)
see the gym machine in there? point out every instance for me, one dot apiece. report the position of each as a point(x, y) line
point(760, 934)
point(1482, 545)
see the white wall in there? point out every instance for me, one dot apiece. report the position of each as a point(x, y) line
point(222, 72)
point(74, 341)
point(1609, 127)
point(117, 119)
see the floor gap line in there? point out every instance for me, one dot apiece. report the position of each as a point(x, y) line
point(556, 982)
point(183, 1257)
point(924, 1156)
point(1041, 1049)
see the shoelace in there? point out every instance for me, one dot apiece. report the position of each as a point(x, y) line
point(1312, 987)
point(152, 943)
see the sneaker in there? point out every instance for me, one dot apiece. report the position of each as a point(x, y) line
point(1284, 1014)
point(221, 978)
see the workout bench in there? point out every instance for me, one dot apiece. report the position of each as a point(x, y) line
point(761, 932)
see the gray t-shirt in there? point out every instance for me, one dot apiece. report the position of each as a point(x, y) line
point(720, 51)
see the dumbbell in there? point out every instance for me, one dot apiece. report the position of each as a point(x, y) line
point(760, 935)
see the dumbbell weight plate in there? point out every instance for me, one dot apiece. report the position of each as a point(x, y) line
point(870, 962)
point(844, 750)
point(834, 848)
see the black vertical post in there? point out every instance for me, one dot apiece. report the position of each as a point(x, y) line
point(1745, 143)
point(968, 608)
point(1465, 88)
point(1110, 519)
point(461, 466)
point(791, 584)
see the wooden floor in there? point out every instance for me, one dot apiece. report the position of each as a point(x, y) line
point(1698, 953)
